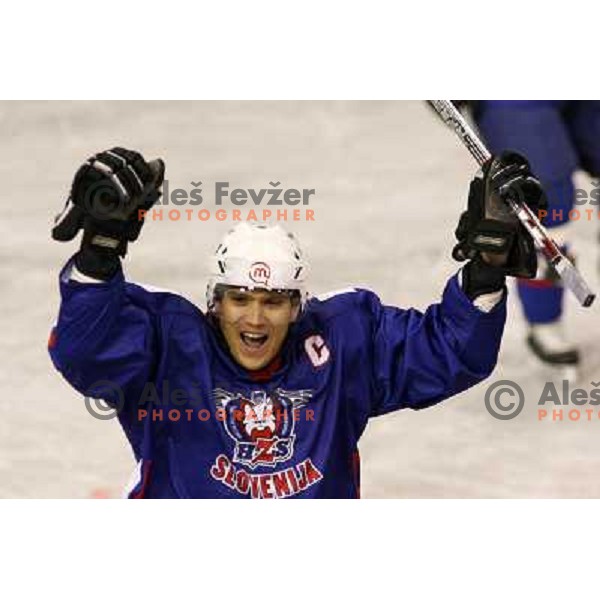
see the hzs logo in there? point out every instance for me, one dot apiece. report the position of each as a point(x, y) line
point(264, 451)
point(261, 426)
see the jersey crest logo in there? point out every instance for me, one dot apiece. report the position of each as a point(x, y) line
point(262, 426)
point(317, 350)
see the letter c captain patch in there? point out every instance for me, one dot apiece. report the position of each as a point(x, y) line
point(317, 350)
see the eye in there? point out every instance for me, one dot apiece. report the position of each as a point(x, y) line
point(275, 301)
point(238, 299)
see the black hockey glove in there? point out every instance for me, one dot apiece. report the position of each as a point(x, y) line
point(489, 234)
point(107, 195)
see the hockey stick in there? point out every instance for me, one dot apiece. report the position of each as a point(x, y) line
point(571, 277)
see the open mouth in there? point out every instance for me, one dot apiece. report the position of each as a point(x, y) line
point(254, 341)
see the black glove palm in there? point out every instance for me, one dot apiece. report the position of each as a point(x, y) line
point(107, 194)
point(489, 226)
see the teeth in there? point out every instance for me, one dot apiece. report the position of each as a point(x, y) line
point(255, 336)
point(254, 339)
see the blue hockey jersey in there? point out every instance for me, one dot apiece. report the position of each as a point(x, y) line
point(201, 426)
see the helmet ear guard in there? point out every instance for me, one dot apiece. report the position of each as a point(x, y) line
point(256, 257)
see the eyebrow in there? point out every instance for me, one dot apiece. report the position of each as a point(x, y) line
point(266, 294)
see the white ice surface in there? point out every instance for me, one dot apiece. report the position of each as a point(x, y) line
point(390, 182)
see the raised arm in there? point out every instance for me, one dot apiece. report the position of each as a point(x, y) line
point(103, 334)
point(421, 359)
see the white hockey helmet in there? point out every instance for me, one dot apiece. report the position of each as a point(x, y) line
point(257, 257)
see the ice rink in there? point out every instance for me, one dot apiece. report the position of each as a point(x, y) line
point(390, 182)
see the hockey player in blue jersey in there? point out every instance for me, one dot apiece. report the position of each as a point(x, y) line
point(267, 393)
point(558, 137)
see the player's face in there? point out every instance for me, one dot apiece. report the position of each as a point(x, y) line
point(255, 324)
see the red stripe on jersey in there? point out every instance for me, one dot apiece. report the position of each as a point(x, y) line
point(52, 339)
point(356, 471)
point(143, 483)
point(537, 283)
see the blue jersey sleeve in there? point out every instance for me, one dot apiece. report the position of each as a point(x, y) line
point(420, 359)
point(104, 334)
